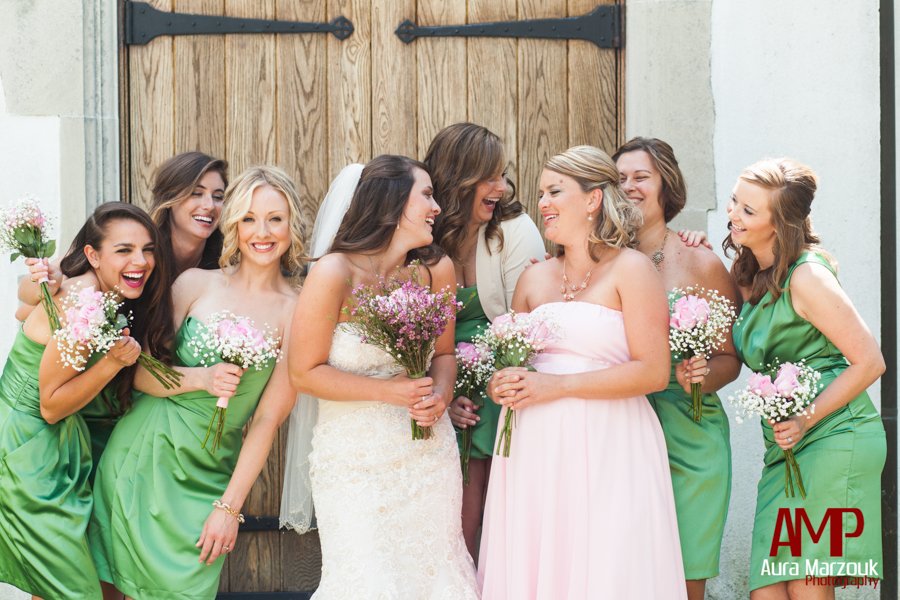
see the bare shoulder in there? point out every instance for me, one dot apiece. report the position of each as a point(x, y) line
point(810, 278)
point(77, 282)
point(630, 261)
point(195, 276)
point(331, 267)
point(443, 269)
point(702, 264)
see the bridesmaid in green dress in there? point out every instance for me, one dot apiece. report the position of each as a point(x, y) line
point(796, 310)
point(45, 445)
point(166, 509)
point(699, 452)
point(491, 240)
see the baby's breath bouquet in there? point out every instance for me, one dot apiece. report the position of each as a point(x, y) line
point(236, 340)
point(700, 321)
point(790, 393)
point(474, 367)
point(93, 325)
point(514, 339)
point(405, 319)
point(24, 232)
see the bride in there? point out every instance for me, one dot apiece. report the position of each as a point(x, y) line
point(387, 506)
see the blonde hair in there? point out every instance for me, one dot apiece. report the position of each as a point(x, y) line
point(618, 222)
point(237, 203)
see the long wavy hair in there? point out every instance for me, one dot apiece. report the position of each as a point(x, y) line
point(152, 323)
point(173, 183)
point(238, 197)
point(792, 187)
point(377, 206)
point(459, 158)
point(673, 195)
point(618, 221)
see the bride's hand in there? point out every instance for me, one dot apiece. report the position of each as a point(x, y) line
point(221, 380)
point(218, 536)
point(403, 391)
point(428, 410)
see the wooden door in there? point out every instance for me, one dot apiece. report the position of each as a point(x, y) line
point(311, 104)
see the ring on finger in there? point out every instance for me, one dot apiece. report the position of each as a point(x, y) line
point(790, 440)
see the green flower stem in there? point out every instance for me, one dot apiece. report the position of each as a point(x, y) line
point(791, 472)
point(49, 307)
point(504, 442)
point(163, 373)
point(419, 432)
point(466, 453)
point(696, 401)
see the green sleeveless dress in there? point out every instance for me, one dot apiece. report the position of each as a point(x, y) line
point(840, 458)
point(100, 415)
point(155, 486)
point(700, 462)
point(45, 498)
point(470, 321)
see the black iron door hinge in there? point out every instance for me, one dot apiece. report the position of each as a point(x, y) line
point(602, 26)
point(143, 23)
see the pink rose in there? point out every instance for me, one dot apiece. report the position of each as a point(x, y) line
point(467, 352)
point(91, 313)
point(226, 329)
point(79, 330)
point(688, 312)
point(787, 383)
point(89, 296)
point(761, 384)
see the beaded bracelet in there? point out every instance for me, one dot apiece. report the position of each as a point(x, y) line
point(222, 506)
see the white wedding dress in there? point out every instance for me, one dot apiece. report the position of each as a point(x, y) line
point(388, 507)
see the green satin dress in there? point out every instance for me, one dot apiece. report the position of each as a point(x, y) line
point(700, 462)
point(100, 415)
point(155, 486)
point(470, 321)
point(840, 458)
point(45, 498)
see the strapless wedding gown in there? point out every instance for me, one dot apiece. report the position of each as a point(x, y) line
point(387, 507)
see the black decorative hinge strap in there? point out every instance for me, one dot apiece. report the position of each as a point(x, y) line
point(144, 22)
point(602, 26)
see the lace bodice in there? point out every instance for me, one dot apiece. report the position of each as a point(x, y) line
point(349, 353)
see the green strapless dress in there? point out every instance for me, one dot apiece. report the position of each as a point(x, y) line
point(155, 486)
point(45, 502)
point(840, 458)
point(700, 462)
point(470, 321)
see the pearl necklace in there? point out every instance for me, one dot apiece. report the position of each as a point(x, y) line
point(570, 291)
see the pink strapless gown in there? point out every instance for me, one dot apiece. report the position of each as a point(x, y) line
point(583, 507)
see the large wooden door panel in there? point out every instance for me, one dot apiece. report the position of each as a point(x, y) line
point(312, 103)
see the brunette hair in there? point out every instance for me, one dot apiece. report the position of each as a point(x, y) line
point(377, 206)
point(238, 197)
point(618, 221)
point(173, 182)
point(792, 186)
point(673, 196)
point(459, 158)
point(152, 311)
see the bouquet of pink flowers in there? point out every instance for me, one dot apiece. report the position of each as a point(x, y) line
point(699, 322)
point(514, 339)
point(234, 340)
point(93, 325)
point(792, 392)
point(24, 232)
point(474, 367)
point(405, 320)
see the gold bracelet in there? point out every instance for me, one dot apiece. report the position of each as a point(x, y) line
point(222, 506)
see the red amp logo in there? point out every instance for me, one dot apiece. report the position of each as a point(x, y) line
point(832, 520)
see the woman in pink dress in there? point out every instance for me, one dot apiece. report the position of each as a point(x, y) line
point(583, 507)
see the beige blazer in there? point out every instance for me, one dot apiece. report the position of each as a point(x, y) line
point(498, 271)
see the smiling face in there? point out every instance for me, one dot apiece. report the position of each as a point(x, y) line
point(488, 194)
point(642, 183)
point(264, 232)
point(417, 220)
point(565, 208)
point(125, 258)
point(198, 214)
point(750, 216)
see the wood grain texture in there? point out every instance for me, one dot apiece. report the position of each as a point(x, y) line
point(441, 72)
point(302, 107)
point(394, 80)
point(199, 106)
point(493, 78)
point(151, 82)
point(350, 88)
point(302, 563)
point(250, 93)
point(543, 100)
point(593, 88)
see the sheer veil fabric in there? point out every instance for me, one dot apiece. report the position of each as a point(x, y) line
point(297, 511)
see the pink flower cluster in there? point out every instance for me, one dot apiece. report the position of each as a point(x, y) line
point(789, 392)
point(242, 333)
point(786, 383)
point(688, 312)
point(516, 338)
point(235, 340)
point(83, 317)
point(93, 324)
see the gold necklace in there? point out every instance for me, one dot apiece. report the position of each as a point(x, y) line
point(657, 257)
point(570, 291)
